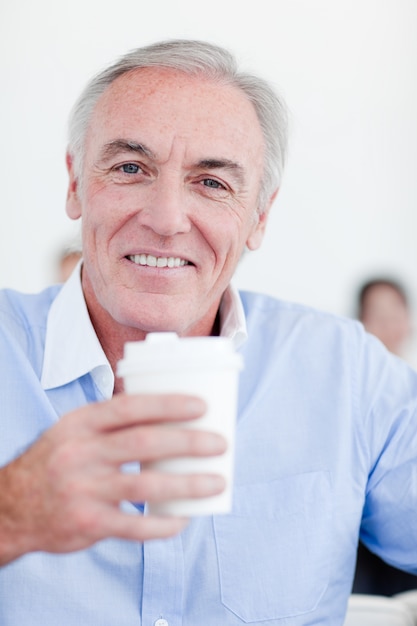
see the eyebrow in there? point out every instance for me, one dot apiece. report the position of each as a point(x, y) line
point(224, 164)
point(113, 148)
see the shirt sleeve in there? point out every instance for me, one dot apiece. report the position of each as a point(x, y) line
point(388, 410)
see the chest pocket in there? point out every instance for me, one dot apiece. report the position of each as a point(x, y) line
point(274, 550)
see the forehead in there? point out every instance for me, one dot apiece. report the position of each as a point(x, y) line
point(159, 106)
point(384, 296)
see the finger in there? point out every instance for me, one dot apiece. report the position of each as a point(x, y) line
point(127, 410)
point(152, 486)
point(150, 443)
point(144, 527)
point(105, 521)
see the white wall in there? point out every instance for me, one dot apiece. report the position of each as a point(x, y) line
point(348, 70)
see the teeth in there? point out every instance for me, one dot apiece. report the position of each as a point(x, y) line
point(160, 261)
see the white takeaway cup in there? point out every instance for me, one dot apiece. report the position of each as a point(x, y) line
point(207, 367)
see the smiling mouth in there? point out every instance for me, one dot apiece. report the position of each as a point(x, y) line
point(157, 261)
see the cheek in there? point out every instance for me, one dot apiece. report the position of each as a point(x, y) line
point(222, 236)
point(103, 209)
point(105, 198)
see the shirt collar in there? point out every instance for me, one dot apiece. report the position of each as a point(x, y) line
point(232, 317)
point(72, 348)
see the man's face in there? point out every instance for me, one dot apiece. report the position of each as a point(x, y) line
point(169, 199)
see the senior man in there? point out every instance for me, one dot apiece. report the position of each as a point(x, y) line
point(174, 161)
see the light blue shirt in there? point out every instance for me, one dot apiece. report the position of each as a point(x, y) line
point(326, 441)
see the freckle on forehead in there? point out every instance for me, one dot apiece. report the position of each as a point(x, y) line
point(169, 85)
point(183, 112)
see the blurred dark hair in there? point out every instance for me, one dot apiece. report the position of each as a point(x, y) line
point(381, 281)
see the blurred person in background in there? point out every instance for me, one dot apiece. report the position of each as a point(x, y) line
point(384, 309)
point(383, 306)
point(67, 261)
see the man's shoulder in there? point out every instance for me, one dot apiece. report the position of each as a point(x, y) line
point(268, 316)
point(25, 310)
point(258, 303)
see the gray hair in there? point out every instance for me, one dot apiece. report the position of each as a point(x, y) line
point(195, 58)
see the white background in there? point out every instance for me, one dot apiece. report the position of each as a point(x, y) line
point(348, 70)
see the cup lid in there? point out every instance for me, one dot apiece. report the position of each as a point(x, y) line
point(166, 350)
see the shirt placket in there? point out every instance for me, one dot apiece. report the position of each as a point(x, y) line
point(163, 583)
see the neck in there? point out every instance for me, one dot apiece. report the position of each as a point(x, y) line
point(113, 335)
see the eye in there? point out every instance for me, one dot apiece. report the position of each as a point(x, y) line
point(129, 168)
point(213, 184)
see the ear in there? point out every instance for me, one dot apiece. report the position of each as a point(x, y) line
point(257, 233)
point(73, 204)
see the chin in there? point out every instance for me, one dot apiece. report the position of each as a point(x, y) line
point(154, 323)
point(150, 313)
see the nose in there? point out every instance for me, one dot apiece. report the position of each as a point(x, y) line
point(165, 211)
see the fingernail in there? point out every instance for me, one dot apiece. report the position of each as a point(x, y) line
point(215, 443)
point(215, 483)
point(195, 406)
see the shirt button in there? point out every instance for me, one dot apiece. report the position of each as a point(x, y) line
point(161, 622)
